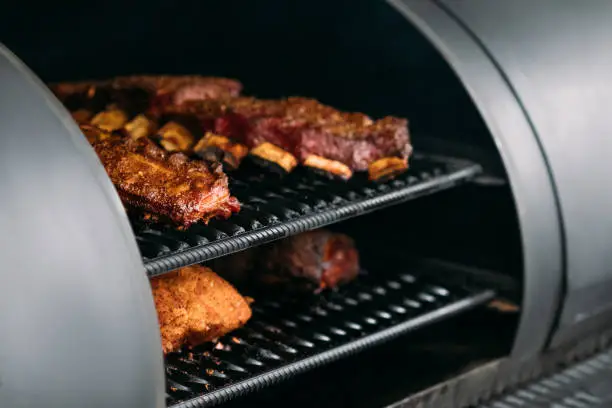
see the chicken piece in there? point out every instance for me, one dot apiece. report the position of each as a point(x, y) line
point(311, 261)
point(194, 305)
point(170, 186)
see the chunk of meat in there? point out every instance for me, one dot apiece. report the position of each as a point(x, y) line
point(194, 305)
point(171, 186)
point(304, 127)
point(311, 261)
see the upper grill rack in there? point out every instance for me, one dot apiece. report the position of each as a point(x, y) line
point(275, 207)
point(288, 336)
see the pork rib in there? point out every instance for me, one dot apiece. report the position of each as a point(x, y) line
point(304, 127)
point(168, 185)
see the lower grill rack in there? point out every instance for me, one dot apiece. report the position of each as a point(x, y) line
point(289, 336)
point(275, 207)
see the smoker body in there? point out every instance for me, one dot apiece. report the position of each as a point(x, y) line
point(499, 75)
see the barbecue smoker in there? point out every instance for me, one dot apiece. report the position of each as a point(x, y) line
point(486, 264)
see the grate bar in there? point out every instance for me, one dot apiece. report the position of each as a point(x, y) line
point(289, 336)
point(275, 208)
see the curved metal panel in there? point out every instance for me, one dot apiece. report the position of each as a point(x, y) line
point(77, 320)
point(524, 162)
point(557, 56)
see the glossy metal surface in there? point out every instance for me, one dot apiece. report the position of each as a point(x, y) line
point(523, 158)
point(556, 56)
point(77, 321)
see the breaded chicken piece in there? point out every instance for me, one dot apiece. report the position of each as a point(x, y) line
point(194, 305)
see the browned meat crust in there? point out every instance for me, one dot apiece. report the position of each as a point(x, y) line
point(144, 93)
point(182, 88)
point(167, 185)
point(194, 305)
point(310, 261)
point(303, 127)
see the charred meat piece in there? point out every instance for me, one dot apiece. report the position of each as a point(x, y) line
point(311, 261)
point(219, 148)
point(194, 305)
point(267, 153)
point(327, 166)
point(170, 186)
point(305, 127)
point(110, 120)
point(140, 126)
point(174, 137)
point(386, 168)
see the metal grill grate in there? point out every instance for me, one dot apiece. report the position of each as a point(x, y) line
point(290, 336)
point(584, 385)
point(275, 207)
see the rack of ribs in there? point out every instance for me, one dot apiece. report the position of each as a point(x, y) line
point(316, 134)
point(166, 185)
point(179, 110)
point(194, 305)
point(308, 262)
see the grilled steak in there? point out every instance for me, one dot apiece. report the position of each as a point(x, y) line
point(311, 261)
point(194, 305)
point(304, 127)
point(138, 94)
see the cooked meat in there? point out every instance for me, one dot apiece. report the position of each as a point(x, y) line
point(175, 137)
point(311, 261)
point(143, 93)
point(315, 134)
point(81, 116)
point(65, 89)
point(387, 167)
point(140, 126)
point(273, 154)
point(304, 127)
point(328, 166)
point(175, 90)
point(167, 185)
point(219, 148)
point(194, 305)
point(94, 134)
point(110, 120)
point(185, 87)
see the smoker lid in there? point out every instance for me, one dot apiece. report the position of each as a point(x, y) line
point(556, 57)
point(78, 324)
point(521, 153)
